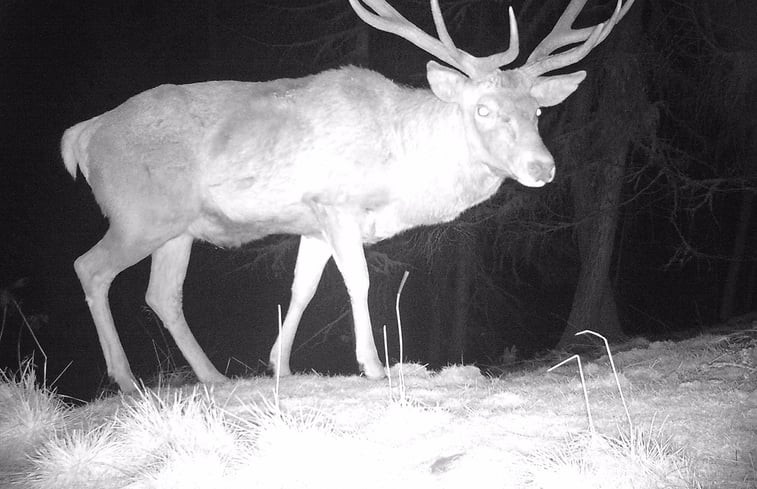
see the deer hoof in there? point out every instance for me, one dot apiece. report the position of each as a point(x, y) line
point(283, 371)
point(216, 378)
point(374, 371)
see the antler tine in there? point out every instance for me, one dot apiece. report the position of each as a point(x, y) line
point(620, 15)
point(559, 34)
point(484, 65)
point(505, 57)
point(441, 28)
point(542, 61)
point(386, 18)
point(389, 20)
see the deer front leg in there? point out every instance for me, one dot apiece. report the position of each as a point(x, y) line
point(342, 231)
point(311, 259)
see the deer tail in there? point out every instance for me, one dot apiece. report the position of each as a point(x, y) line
point(74, 145)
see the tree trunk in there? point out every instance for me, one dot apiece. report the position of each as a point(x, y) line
point(610, 108)
point(361, 55)
point(434, 325)
point(729, 304)
point(594, 302)
point(463, 279)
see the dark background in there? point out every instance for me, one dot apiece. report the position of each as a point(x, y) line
point(685, 201)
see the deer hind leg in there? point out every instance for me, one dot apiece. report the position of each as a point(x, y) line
point(311, 259)
point(343, 234)
point(96, 270)
point(164, 296)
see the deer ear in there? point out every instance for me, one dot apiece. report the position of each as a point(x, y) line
point(551, 90)
point(446, 83)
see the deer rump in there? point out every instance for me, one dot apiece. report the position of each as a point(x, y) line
point(342, 158)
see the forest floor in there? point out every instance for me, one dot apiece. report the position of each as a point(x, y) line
point(691, 423)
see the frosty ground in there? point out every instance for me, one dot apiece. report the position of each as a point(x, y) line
point(692, 408)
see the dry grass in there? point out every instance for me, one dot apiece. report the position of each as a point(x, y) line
point(29, 417)
point(632, 460)
point(168, 437)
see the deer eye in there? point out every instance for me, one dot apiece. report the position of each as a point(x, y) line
point(538, 112)
point(483, 111)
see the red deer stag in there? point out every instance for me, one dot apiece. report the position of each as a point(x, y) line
point(342, 158)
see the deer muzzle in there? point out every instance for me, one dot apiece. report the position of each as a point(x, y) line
point(542, 171)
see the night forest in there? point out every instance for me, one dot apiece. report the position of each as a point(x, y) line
point(648, 229)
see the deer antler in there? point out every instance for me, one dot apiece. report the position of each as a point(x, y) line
point(542, 61)
point(387, 19)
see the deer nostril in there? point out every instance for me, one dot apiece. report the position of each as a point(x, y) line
point(541, 171)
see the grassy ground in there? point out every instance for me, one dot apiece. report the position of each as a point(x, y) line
point(691, 422)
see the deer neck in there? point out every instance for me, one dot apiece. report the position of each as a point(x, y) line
point(444, 176)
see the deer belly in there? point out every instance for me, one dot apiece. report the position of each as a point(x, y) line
point(231, 229)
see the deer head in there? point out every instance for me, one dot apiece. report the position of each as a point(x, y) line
point(500, 108)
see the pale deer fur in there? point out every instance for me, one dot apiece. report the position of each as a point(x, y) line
point(342, 158)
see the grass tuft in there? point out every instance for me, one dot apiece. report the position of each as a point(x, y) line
point(29, 416)
point(632, 460)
